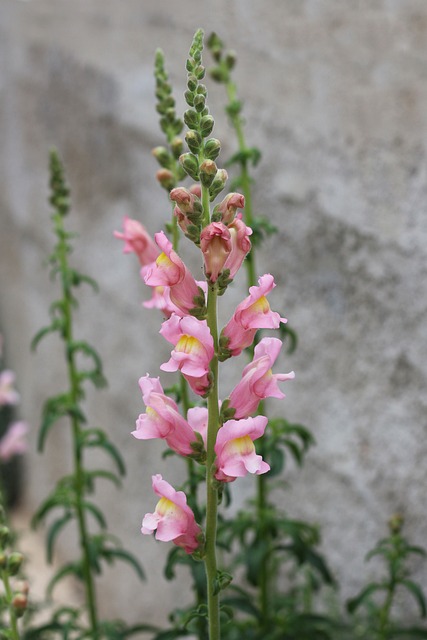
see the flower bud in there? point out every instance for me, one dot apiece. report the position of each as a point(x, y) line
point(166, 179)
point(212, 148)
point(190, 164)
point(206, 125)
point(189, 98)
point(14, 562)
point(162, 156)
point(194, 141)
point(21, 586)
point(4, 535)
point(177, 146)
point(19, 603)
point(191, 118)
point(192, 83)
point(196, 189)
point(215, 243)
point(230, 59)
point(3, 560)
point(199, 103)
point(218, 183)
point(208, 171)
point(227, 208)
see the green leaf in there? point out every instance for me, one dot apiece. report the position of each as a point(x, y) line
point(97, 438)
point(107, 475)
point(71, 568)
point(418, 594)
point(354, 603)
point(120, 554)
point(55, 326)
point(53, 532)
point(96, 512)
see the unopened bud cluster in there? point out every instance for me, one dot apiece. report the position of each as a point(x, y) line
point(199, 162)
point(171, 172)
point(225, 60)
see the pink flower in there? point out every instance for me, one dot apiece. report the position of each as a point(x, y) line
point(14, 441)
point(229, 205)
point(173, 520)
point(194, 349)
point(169, 270)
point(258, 381)
point(252, 314)
point(215, 244)
point(240, 244)
point(8, 395)
point(162, 419)
point(235, 450)
point(137, 240)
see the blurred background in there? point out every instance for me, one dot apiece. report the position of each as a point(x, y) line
point(335, 96)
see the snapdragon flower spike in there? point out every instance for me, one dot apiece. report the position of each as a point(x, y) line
point(235, 449)
point(138, 241)
point(8, 395)
point(162, 419)
point(251, 314)
point(258, 381)
point(169, 270)
point(194, 349)
point(173, 520)
point(216, 246)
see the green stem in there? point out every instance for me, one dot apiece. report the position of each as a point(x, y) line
point(12, 614)
point(211, 491)
point(75, 394)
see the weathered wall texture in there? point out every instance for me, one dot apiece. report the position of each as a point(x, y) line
point(336, 96)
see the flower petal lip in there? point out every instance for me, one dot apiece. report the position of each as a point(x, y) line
point(235, 451)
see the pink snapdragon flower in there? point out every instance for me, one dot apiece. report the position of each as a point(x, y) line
point(194, 349)
point(173, 520)
point(216, 246)
point(229, 205)
point(162, 419)
point(258, 381)
point(8, 395)
point(169, 270)
point(235, 450)
point(252, 314)
point(14, 441)
point(138, 241)
point(240, 244)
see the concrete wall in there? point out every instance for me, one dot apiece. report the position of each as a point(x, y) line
point(335, 95)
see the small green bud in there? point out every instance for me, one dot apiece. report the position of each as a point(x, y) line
point(206, 125)
point(3, 560)
point(201, 89)
point(208, 171)
point(212, 148)
point(162, 156)
point(14, 562)
point(166, 179)
point(199, 103)
point(199, 72)
point(194, 141)
point(192, 83)
point(189, 98)
point(191, 118)
point(395, 523)
point(177, 146)
point(218, 183)
point(190, 164)
point(4, 535)
point(218, 74)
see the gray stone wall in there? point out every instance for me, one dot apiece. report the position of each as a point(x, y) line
point(335, 95)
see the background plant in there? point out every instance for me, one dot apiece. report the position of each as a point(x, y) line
point(73, 495)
